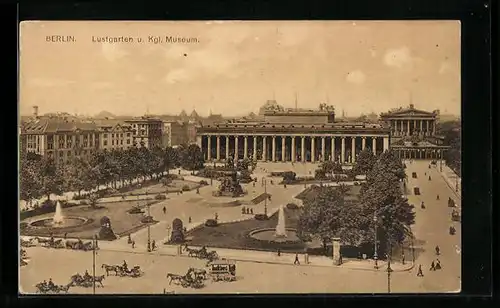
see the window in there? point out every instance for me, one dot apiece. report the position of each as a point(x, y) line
point(121, 135)
point(105, 142)
point(105, 136)
point(112, 135)
point(112, 142)
point(121, 142)
point(128, 134)
point(128, 141)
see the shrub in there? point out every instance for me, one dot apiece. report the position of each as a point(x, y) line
point(203, 182)
point(292, 206)
point(289, 177)
point(261, 217)
point(186, 188)
point(160, 197)
point(83, 202)
point(211, 223)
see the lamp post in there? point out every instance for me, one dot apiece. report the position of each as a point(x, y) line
point(389, 270)
point(94, 246)
point(265, 193)
point(149, 229)
point(375, 254)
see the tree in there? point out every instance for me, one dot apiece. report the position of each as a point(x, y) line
point(171, 158)
point(192, 158)
point(93, 200)
point(79, 175)
point(388, 163)
point(364, 162)
point(325, 215)
point(30, 186)
point(52, 178)
point(329, 168)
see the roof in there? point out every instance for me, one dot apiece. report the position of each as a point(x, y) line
point(56, 125)
point(143, 119)
point(418, 144)
point(408, 111)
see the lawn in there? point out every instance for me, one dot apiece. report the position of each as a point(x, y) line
point(235, 235)
point(122, 222)
point(159, 188)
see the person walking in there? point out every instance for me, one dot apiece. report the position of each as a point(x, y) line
point(189, 219)
point(296, 262)
point(279, 252)
point(437, 197)
point(251, 211)
point(437, 250)
point(133, 244)
point(433, 266)
point(420, 273)
point(164, 210)
point(153, 245)
point(438, 264)
point(403, 258)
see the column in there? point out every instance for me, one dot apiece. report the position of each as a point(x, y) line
point(427, 128)
point(236, 148)
point(386, 143)
point(401, 127)
point(353, 149)
point(374, 145)
point(433, 127)
point(333, 149)
point(313, 149)
point(227, 148)
point(408, 125)
point(342, 151)
point(209, 145)
point(218, 147)
point(283, 157)
point(363, 143)
point(293, 149)
point(323, 150)
point(273, 157)
point(421, 126)
point(414, 125)
point(264, 148)
point(198, 141)
point(245, 147)
point(255, 148)
point(303, 149)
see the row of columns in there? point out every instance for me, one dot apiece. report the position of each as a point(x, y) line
point(352, 158)
point(403, 127)
point(420, 153)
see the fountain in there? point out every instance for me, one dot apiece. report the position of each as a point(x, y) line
point(58, 216)
point(280, 227)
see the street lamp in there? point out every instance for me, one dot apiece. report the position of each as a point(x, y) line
point(265, 193)
point(94, 246)
point(389, 270)
point(149, 228)
point(375, 254)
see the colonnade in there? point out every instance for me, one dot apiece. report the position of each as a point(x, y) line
point(409, 127)
point(292, 148)
point(406, 153)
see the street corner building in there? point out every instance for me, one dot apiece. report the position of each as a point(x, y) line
point(281, 134)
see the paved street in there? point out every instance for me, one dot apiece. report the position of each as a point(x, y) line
point(431, 229)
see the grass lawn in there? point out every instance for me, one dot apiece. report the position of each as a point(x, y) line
point(235, 235)
point(159, 188)
point(121, 221)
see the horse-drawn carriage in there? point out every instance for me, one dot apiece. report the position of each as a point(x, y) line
point(202, 253)
point(223, 270)
point(54, 244)
point(79, 245)
point(86, 280)
point(455, 215)
point(451, 203)
point(194, 278)
point(49, 287)
point(123, 270)
point(28, 243)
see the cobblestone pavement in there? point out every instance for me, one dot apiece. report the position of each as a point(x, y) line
point(251, 277)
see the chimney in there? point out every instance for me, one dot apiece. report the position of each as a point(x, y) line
point(35, 111)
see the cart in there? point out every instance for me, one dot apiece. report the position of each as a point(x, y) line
point(223, 270)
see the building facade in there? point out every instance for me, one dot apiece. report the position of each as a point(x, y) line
point(118, 136)
point(147, 132)
point(292, 135)
point(59, 139)
point(414, 133)
point(174, 133)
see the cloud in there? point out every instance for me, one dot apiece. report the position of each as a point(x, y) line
point(112, 52)
point(48, 82)
point(444, 67)
point(399, 57)
point(177, 75)
point(356, 77)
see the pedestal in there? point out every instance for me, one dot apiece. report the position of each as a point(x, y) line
point(336, 251)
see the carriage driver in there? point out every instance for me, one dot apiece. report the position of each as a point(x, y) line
point(86, 275)
point(50, 284)
point(125, 267)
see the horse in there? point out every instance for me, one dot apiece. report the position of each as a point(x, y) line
point(199, 273)
point(174, 277)
point(111, 268)
point(192, 252)
point(99, 279)
point(63, 288)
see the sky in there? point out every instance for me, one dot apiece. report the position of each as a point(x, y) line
point(233, 68)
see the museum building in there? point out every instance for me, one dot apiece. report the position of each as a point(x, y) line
point(292, 135)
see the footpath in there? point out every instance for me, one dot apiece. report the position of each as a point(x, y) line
point(452, 179)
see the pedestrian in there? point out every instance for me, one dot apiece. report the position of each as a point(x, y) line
point(164, 210)
point(189, 219)
point(179, 171)
point(429, 177)
point(403, 258)
point(438, 264)
point(216, 216)
point(437, 250)
point(296, 262)
point(284, 185)
point(133, 244)
point(437, 197)
point(198, 191)
point(420, 273)
point(153, 245)
point(251, 211)
point(253, 184)
point(243, 210)
point(433, 266)
point(279, 252)
point(65, 235)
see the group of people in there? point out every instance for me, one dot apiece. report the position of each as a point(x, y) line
point(246, 210)
point(435, 264)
